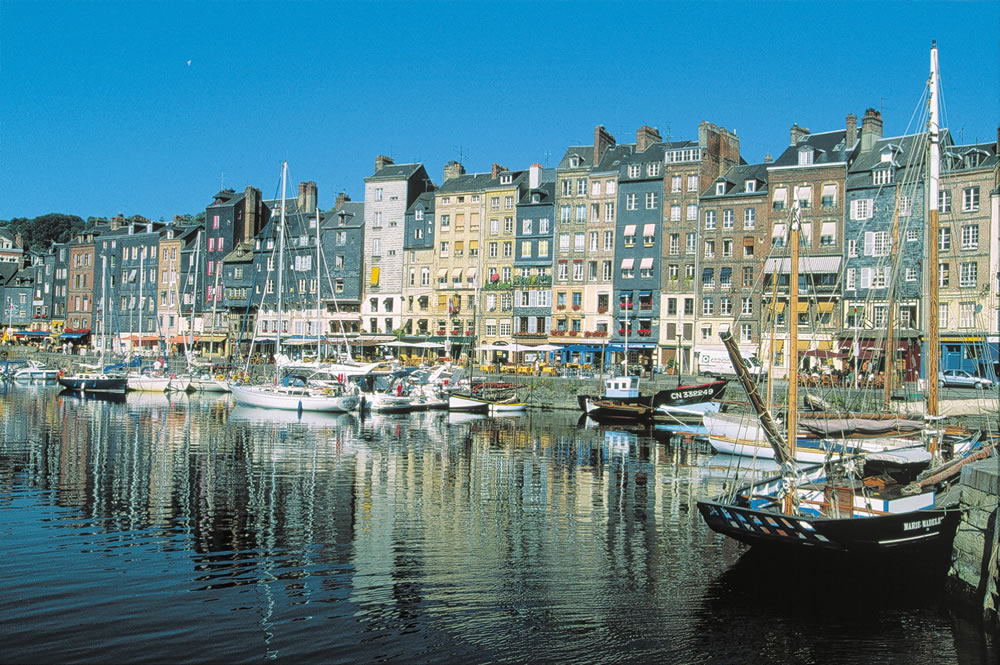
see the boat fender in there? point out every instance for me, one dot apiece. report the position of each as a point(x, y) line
point(61, 374)
point(173, 375)
point(219, 377)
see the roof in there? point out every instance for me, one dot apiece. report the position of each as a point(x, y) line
point(737, 177)
point(7, 271)
point(828, 146)
point(424, 200)
point(395, 172)
point(354, 211)
point(473, 182)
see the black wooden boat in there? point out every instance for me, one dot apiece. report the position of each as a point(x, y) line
point(622, 401)
point(94, 383)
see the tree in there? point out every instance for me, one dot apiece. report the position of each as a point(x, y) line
point(39, 233)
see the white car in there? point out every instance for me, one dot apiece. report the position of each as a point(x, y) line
point(961, 378)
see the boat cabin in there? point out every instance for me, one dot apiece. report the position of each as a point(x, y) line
point(621, 387)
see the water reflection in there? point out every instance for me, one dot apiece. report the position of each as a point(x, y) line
point(213, 532)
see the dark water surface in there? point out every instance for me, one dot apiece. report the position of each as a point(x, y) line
point(190, 530)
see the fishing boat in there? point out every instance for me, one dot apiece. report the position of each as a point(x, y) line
point(293, 395)
point(158, 382)
point(901, 501)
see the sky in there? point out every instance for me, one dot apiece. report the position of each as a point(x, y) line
point(149, 108)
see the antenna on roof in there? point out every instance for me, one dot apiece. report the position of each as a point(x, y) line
point(668, 134)
point(222, 181)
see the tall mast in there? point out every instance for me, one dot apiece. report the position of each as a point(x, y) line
point(104, 322)
point(281, 265)
point(890, 342)
point(934, 163)
point(793, 333)
point(628, 306)
point(142, 255)
point(319, 335)
point(194, 293)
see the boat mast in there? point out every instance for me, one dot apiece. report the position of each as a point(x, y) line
point(933, 346)
point(142, 255)
point(194, 294)
point(319, 335)
point(104, 323)
point(628, 306)
point(890, 342)
point(793, 331)
point(281, 268)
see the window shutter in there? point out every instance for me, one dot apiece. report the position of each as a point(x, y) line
point(869, 242)
point(866, 278)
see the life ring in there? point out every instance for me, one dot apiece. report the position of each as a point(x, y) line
point(219, 377)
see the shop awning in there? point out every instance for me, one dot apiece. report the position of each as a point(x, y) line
point(778, 307)
point(629, 230)
point(803, 307)
point(73, 335)
point(443, 272)
point(825, 307)
point(646, 263)
point(456, 273)
point(627, 264)
point(648, 230)
point(32, 333)
point(807, 264)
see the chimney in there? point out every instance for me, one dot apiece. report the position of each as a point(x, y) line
point(302, 197)
point(852, 131)
point(871, 129)
point(534, 176)
point(251, 209)
point(342, 198)
point(381, 161)
point(603, 140)
point(497, 170)
point(798, 133)
point(311, 198)
point(644, 137)
point(453, 169)
point(998, 139)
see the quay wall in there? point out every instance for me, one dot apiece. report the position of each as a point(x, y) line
point(974, 576)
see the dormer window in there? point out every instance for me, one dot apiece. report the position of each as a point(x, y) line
point(882, 177)
point(418, 214)
point(750, 185)
point(805, 157)
point(506, 178)
point(574, 162)
point(536, 198)
point(720, 188)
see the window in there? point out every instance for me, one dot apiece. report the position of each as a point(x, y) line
point(912, 235)
point(877, 243)
point(944, 201)
point(578, 271)
point(675, 244)
point(579, 242)
point(746, 305)
point(651, 200)
point(882, 176)
point(803, 196)
point(944, 274)
point(648, 234)
point(629, 236)
point(943, 315)
point(609, 212)
point(653, 169)
point(581, 214)
point(508, 225)
point(747, 247)
point(749, 218)
point(780, 198)
point(609, 240)
point(606, 271)
point(692, 212)
point(633, 170)
point(692, 243)
point(595, 188)
point(850, 279)
point(726, 305)
point(526, 226)
point(377, 247)
point(378, 193)
point(727, 247)
point(675, 183)
point(444, 249)
point(905, 206)
point(508, 249)
point(969, 275)
point(675, 213)
point(543, 225)
point(970, 199)
point(911, 274)
point(508, 202)
point(970, 236)
point(829, 196)
point(709, 249)
point(562, 272)
point(828, 234)
point(709, 220)
point(630, 201)
point(706, 307)
point(673, 271)
point(861, 209)
point(966, 315)
point(728, 218)
point(692, 183)
point(944, 239)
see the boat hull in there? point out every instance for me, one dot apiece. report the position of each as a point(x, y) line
point(158, 384)
point(916, 530)
point(293, 401)
point(94, 384)
point(36, 375)
point(467, 403)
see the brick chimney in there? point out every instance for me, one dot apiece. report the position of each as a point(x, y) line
point(302, 197)
point(453, 169)
point(381, 161)
point(603, 140)
point(644, 137)
point(798, 133)
point(871, 129)
point(342, 198)
point(497, 170)
point(311, 196)
point(852, 131)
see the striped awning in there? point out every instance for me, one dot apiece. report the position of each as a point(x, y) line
point(807, 264)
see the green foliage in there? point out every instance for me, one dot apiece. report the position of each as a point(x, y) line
point(39, 233)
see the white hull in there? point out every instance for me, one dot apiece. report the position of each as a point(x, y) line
point(158, 384)
point(508, 407)
point(385, 403)
point(293, 399)
point(210, 385)
point(36, 375)
point(743, 436)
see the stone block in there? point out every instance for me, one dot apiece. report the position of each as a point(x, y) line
point(966, 572)
point(983, 475)
point(969, 542)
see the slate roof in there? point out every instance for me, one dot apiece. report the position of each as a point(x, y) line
point(737, 177)
point(395, 172)
point(424, 200)
point(355, 216)
point(829, 147)
point(7, 272)
point(911, 154)
point(473, 182)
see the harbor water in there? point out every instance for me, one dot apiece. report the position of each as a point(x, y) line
point(186, 529)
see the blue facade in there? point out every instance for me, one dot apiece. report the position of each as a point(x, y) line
point(533, 252)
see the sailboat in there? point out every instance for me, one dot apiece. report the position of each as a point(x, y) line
point(291, 394)
point(97, 379)
point(898, 501)
point(485, 397)
point(622, 401)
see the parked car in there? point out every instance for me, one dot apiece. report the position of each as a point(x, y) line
point(963, 379)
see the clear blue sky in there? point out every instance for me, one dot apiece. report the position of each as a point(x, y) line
point(144, 107)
